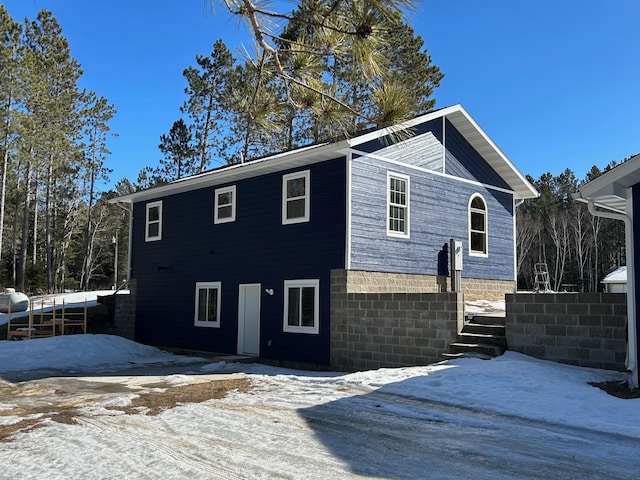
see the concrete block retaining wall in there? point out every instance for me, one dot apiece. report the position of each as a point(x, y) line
point(125, 313)
point(584, 329)
point(375, 330)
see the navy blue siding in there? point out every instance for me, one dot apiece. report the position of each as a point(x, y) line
point(256, 248)
point(438, 212)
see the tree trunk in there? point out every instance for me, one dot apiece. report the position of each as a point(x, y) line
point(595, 229)
point(5, 166)
point(22, 258)
point(86, 271)
point(14, 243)
point(34, 252)
point(47, 225)
point(204, 144)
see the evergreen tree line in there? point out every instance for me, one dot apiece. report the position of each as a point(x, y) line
point(55, 227)
point(577, 248)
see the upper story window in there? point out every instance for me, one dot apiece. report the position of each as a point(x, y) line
point(478, 233)
point(153, 222)
point(301, 306)
point(224, 209)
point(397, 205)
point(295, 197)
point(207, 304)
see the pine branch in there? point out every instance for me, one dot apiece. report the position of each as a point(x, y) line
point(250, 12)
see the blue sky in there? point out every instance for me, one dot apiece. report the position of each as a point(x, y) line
point(554, 83)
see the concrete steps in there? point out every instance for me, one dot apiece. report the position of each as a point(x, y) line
point(481, 337)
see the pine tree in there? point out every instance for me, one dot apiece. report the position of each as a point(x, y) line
point(179, 155)
point(207, 103)
point(332, 58)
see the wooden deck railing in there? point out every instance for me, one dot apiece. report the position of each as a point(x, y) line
point(39, 323)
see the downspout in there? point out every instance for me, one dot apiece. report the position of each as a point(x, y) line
point(632, 347)
point(516, 204)
point(347, 243)
point(444, 144)
point(130, 212)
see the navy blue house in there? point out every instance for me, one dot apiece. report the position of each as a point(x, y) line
point(239, 259)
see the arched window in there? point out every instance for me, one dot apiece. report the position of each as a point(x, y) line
point(478, 234)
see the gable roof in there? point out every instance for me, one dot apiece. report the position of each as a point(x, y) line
point(619, 275)
point(304, 156)
point(611, 190)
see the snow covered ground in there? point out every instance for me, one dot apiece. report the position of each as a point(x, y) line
point(75, 299)
point(95, 408)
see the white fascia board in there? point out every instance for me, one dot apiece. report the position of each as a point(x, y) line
point(383, 132)
point(282, 161)
point(624, 175)
point(477, 137)
point(493, 155)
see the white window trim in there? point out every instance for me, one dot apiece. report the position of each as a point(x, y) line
point(218, 192)
point(307, 195)
point(476, 253)
point(208, 285)
point(315, 329)
point(149, 206)
point(406, 178)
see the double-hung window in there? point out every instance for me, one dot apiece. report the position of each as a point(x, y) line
point(207, 307)
point(397, 205)
point(301, 305)
point(295, 197)
point(153, 222)
point(224, 209)
point(478, 226)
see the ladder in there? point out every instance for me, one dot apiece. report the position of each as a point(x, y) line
point(541, 278)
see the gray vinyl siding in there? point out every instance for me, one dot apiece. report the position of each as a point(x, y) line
point(421, 151)
point(438, 212)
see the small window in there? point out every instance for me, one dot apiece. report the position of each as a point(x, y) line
point(301, 304)
point(225, 205)
point(478, 226)
point(153, 223)
point(397, 205)
point(295, 197)
point(207, 308)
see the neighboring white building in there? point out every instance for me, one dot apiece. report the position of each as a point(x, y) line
point(616, 281)
point(616, 194)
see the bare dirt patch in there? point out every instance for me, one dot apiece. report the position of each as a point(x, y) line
point(32, 405)
point(153, 403)
point(7, 431)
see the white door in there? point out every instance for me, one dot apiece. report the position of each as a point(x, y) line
point(249, 319)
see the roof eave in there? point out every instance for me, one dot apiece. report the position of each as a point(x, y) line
point(482, 142)
point(610, 190)
point(522, 188)
point(280, 161)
